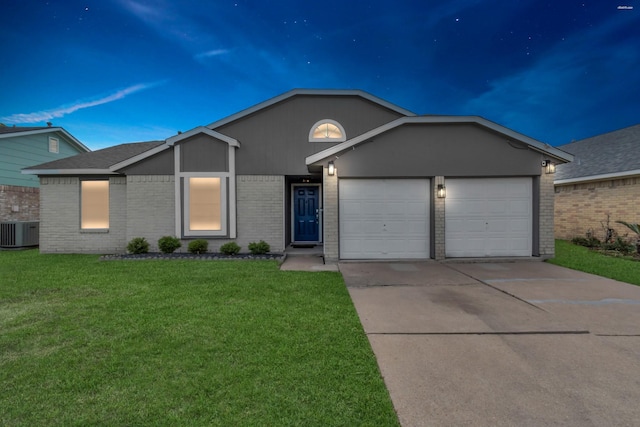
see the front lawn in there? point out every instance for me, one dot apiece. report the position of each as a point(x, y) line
point(581, 258)
point(229, 343)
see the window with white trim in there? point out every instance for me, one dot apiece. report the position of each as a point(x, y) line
point(327, 131)
point(94, 205)
point(205, 205)
point(54, 145)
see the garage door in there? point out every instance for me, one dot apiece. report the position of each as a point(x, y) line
point(384, 218)
point(488, 217)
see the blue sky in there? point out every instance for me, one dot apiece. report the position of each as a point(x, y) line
point(114, 71)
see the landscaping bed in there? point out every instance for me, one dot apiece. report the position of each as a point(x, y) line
point(188, 256)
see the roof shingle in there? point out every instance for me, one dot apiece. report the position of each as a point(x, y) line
point(100, 159)
point(609, 153)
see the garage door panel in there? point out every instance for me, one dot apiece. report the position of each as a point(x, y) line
point(382, 218)
point(488, 217)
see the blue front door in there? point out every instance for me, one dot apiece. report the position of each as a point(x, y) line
point(306, 214)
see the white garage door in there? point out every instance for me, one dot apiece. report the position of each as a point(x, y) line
point(488, 217)
point(384, 218)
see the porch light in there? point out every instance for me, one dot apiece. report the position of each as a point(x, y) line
point(549, 167)
point(332, 168)
point(442, 191)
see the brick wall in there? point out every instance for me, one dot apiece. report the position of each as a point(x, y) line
point(60, 218)
point(151, 208)
point(330, 217)
point(546, 230)
point(19, 203)
point(439, 220)
point(581, 207)
point(260, 211)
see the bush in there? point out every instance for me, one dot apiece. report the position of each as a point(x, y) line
point(231, 248)
point(619, 245)
point(138, 245)
point(259, 248)
point(168, 244)
point(589, 241)
point(198, 246)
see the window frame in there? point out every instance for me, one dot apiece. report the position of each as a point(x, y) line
point(323, 122)
point(224, 205)
point(82, 210)
point(54, 145)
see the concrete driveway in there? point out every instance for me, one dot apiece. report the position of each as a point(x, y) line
point(513, 344)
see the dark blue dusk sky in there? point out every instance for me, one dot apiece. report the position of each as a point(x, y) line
point(114, 71)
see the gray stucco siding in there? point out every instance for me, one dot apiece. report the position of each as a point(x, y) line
point(203, 153)
point(460, 150)
point(276, 141)
point(159, 164)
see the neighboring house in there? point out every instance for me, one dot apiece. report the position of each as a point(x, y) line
point(602, 182)
point(339, 168)
point(21, 147)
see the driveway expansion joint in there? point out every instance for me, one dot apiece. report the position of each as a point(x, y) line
point(496, 288)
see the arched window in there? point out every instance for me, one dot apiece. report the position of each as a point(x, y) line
point(327, 131)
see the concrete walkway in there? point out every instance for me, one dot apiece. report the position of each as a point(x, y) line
point(491, 344)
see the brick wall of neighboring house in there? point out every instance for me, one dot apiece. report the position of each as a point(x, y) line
point(151, 209)
point(60, 218)
point(583, 207)
point(19, 203)
point(547, 240)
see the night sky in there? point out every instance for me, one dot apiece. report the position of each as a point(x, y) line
point(114, 71)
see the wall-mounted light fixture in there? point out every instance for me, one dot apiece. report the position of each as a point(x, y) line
point(549, 167)
point(332, 168)
point(442, 191)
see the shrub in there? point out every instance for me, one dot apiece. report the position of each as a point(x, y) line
point(138, 245)
point(231, 248)
point(589, 241)
point(168, 244)
point(259, 248)
point(198, 246)
point(619, 245)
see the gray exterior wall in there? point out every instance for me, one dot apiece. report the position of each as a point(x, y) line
point(160, 164)
point(260, 208)
point(276, 140)
point(203, 153)
point(151, 208)
point(452, 150)
point(260, 211)
point(60, 218)
point(547, 199)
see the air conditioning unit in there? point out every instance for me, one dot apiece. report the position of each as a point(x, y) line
point(19, 234)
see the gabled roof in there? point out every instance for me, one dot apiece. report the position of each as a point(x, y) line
point(98, 162)
point(110, 160)
point(554, 153)
point(13, 131)
point(314, 92)
point(610, 155)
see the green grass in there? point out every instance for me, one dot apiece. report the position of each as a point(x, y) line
point(229, 343)
point(583, 259)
